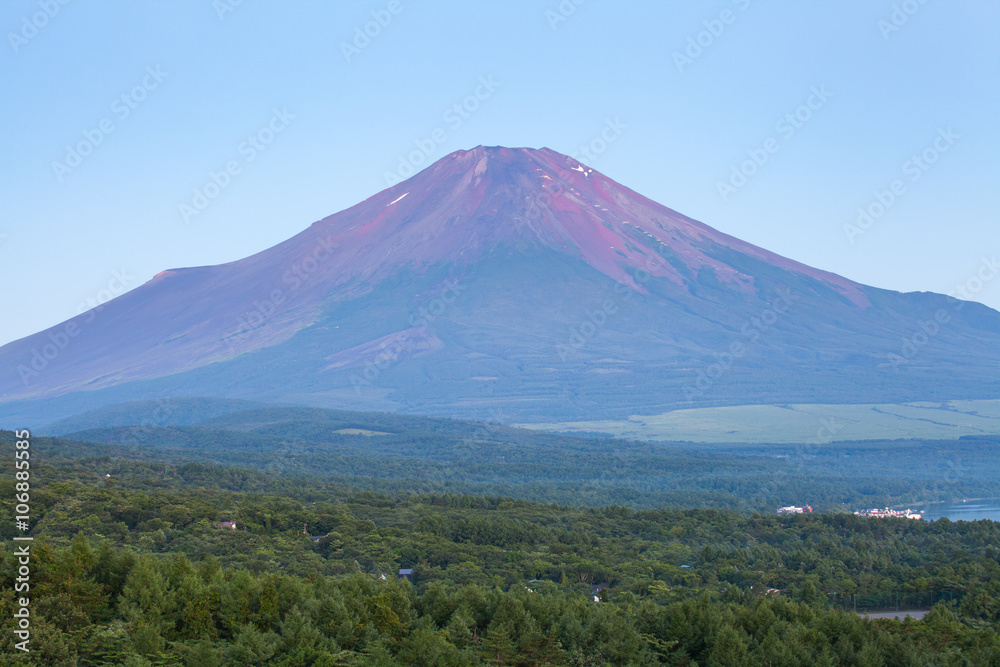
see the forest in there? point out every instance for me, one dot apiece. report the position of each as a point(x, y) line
point(131, 567)
point(394, 453)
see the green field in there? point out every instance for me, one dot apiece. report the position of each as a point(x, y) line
point(359, 431)
point(800, 422)
point(426, 455)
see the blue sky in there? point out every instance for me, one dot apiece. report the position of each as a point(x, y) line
point(832, 99)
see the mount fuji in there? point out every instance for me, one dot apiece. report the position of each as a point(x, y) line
point(508, 281)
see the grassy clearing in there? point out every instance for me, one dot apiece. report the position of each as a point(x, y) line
point(801, 422)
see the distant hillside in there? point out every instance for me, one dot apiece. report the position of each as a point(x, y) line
point(174, 411)
point(398, 453)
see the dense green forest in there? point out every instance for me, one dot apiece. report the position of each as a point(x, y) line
point(392, 453)
point(130, 567)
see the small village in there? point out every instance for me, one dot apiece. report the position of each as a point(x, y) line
point(884, 513)
point(892, 514)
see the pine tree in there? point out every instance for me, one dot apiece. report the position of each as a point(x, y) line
point(498, 649)
point(142, 604)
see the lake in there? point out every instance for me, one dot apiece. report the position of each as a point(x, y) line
point(971, 510)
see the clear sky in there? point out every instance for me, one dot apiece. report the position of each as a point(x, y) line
point(670, 98)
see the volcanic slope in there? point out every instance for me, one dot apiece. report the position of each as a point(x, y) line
point(513, 284)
